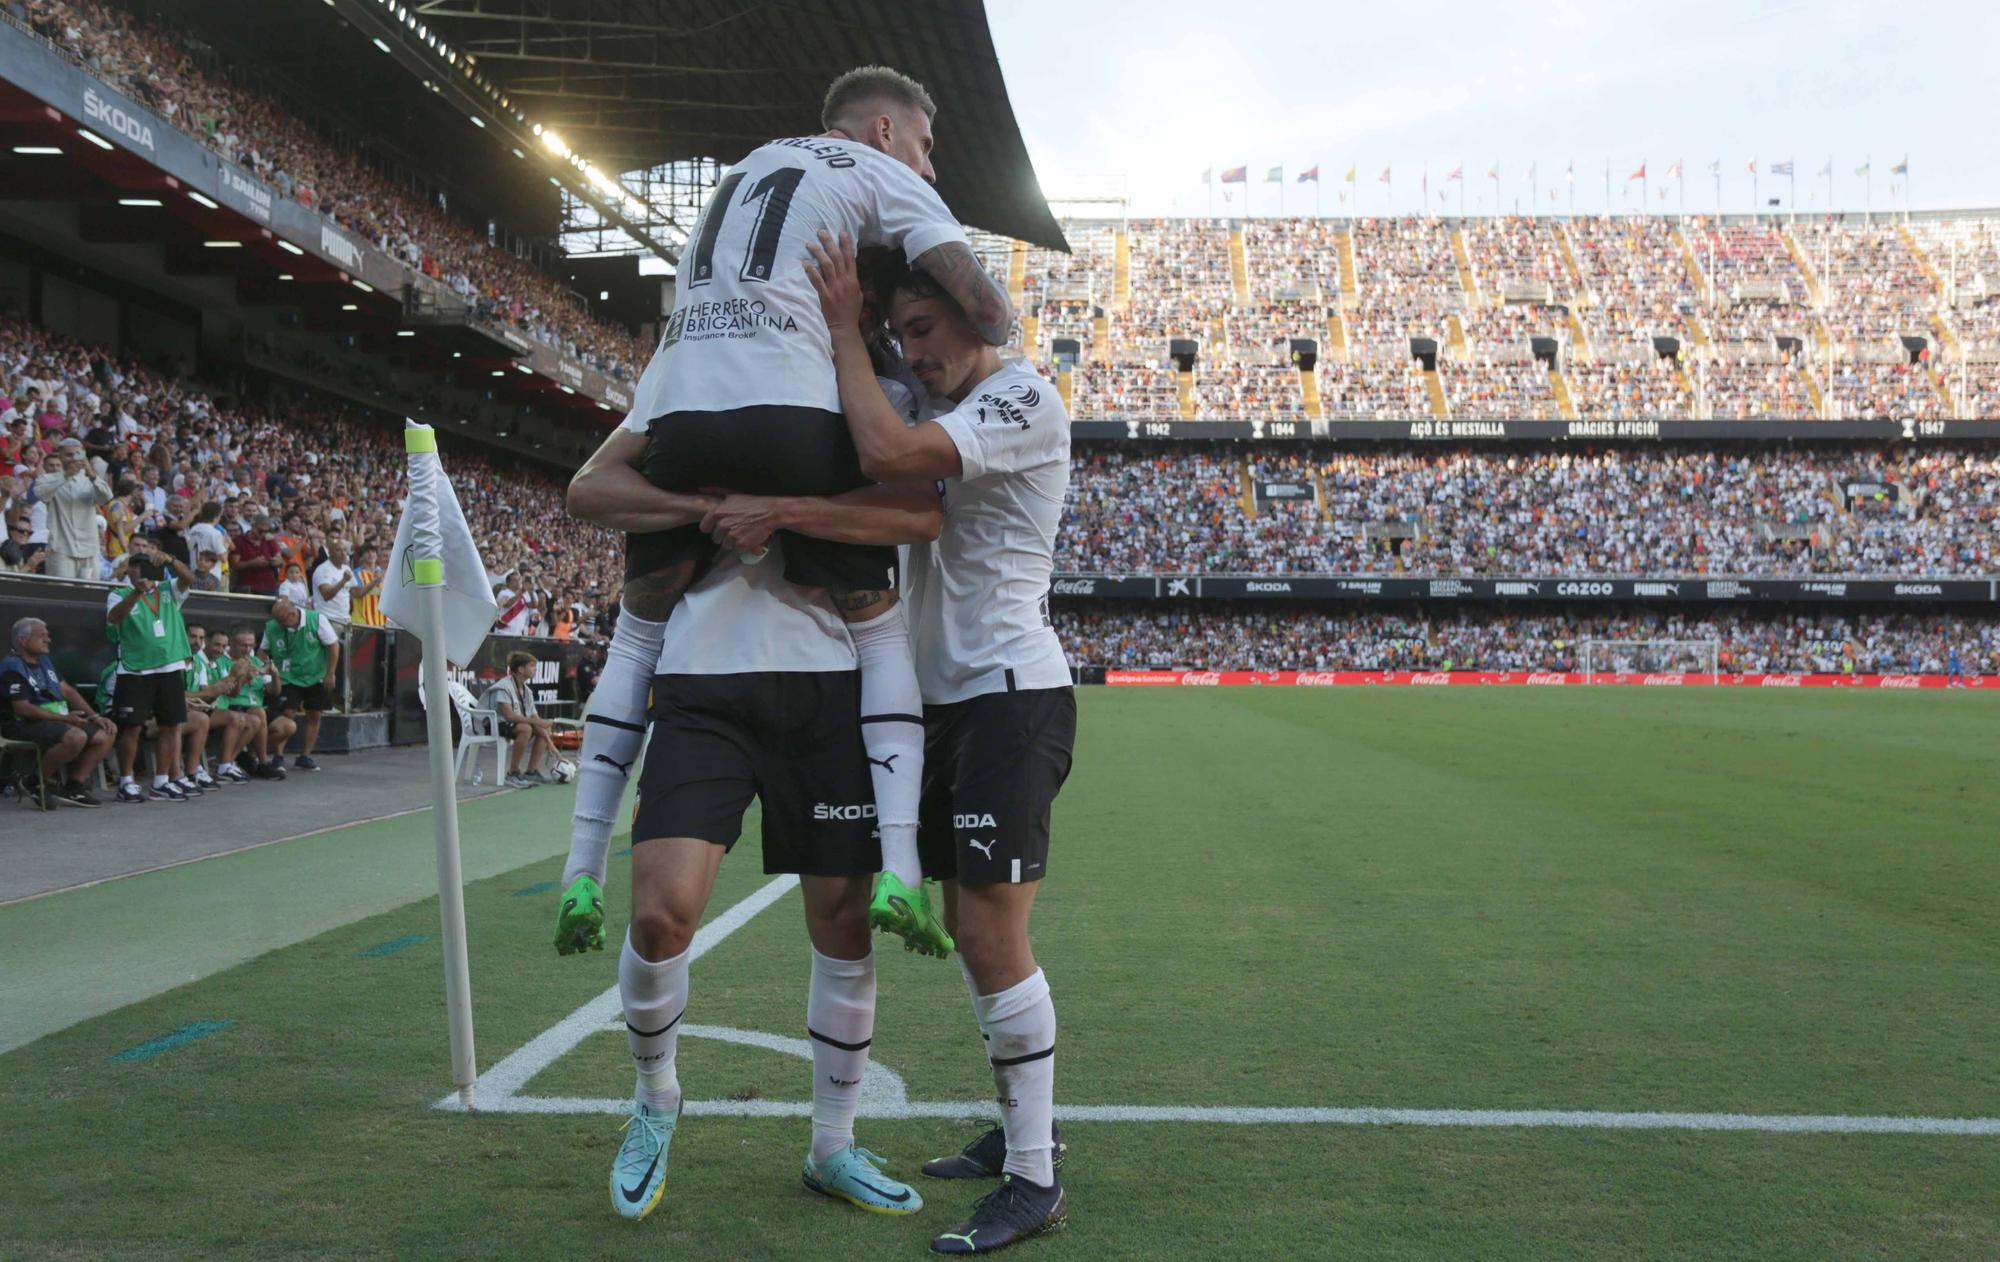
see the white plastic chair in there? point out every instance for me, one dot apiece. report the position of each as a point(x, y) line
point(478, 727)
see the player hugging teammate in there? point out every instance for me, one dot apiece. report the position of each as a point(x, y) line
point(765, 625)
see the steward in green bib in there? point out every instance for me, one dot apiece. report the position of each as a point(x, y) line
point(143, 619)
point(306, 648)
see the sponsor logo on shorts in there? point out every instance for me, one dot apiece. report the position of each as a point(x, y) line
point(983, 847)
point(826, 810)
point(971, 821)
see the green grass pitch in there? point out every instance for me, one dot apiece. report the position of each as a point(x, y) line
point(1605, 899)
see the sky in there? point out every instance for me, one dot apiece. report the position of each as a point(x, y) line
point(1136, 100)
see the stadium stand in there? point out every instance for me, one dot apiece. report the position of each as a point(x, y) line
point(1630, 318)
point(163, 71)
point(1502, 511)
point(1243, 638)
point(340, 470)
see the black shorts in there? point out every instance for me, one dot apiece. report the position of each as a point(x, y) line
point(993, 765)
point(764, 450)
point(312, 698)
point(137, 698)
point(43, 732)
point(792, 739)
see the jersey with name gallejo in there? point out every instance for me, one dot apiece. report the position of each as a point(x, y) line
point(746, 327)
point(979, 594)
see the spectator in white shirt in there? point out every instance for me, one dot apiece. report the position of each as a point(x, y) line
point(333, 583)
point(294, 588)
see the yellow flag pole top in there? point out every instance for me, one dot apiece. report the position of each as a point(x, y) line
point(422, 440)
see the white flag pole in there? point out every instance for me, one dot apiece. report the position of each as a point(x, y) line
point(427, 553)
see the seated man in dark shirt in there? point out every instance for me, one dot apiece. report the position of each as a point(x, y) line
point(40, 707)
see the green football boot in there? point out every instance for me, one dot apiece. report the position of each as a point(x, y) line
point(906, 912)
point(580, 918)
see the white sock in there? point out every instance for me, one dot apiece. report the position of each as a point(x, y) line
point(613, 730)
point(840, 1017)
point(655, 997)
point(159, 782)
point(892, 730)
point(1020, 1028)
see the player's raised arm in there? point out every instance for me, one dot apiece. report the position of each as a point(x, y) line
point(954, 266)
point(890, 450)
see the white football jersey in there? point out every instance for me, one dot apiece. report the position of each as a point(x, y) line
point(979, 594)
point(743, 617)
point(746, 327)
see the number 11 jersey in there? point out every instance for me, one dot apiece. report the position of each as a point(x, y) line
point(746, 328)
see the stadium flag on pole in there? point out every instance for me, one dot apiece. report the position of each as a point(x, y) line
point(441, 593)
point(1384, 177)
point(1493, 172)
point(1715, 168)
point(1457, 173)
point(1674, 171)
point(1753, 166)
point(1276, 175)
point(1901, 168)
point(1826, 170)
point(1311, 173)
point(1863, 168)
point(1639, 174)
point(1350, 175)
point(1781, 168)
point(1234, 175)
point(1208, 175)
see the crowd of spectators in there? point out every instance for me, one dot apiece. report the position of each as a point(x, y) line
point(182, 82)
point(1376, 392)
point(250, 495)
point(1487, 390)
point(1465, 511)
point(1514, 252)
point(1237, 389)
point(1245, 637)
point(1646, 386)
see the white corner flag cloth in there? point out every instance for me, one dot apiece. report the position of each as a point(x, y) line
point(433, 526)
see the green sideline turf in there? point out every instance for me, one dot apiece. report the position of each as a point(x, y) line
point(1612, 899)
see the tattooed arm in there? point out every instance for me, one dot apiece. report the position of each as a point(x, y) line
point(983, 298)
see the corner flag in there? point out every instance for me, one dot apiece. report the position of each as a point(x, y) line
point(438, 590)
point(433, 544)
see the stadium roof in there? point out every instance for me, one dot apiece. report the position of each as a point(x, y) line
point(635, 83)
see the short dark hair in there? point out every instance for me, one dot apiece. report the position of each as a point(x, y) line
point(867, 82)
point(517, 660)
point(913, 282)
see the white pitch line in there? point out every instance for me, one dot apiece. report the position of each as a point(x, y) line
point(499, 1084)
point(496, 1087)
point(1776, 1123)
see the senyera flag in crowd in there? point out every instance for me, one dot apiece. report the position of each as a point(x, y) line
point(438, 590)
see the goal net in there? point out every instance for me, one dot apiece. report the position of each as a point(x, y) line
point(1648, 657)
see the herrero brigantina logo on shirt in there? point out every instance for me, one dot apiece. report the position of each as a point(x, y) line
point(994, 409)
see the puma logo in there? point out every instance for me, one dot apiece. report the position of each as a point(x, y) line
point(883, 763)
point(984, 847)
point(624, 768)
